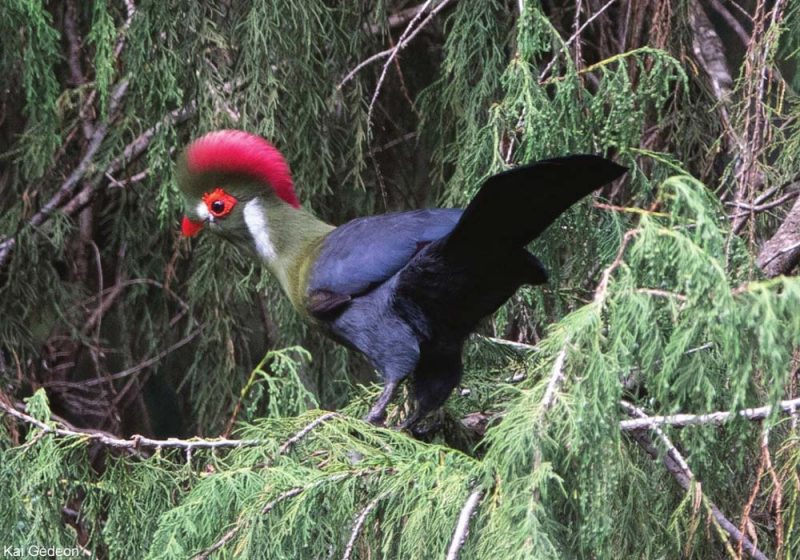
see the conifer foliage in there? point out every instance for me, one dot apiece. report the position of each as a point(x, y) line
point(159, 398)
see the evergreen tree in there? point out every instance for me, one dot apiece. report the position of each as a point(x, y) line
point(161, 400)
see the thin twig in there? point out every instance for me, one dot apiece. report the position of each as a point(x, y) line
point(751, 500)
point(401, 42)
point(235, 529)
point(265, 510)
point(134, 442)
point(556, 379)
point(130, 153)
point(302, 433)
point(716, 418)
point(462, 527)
point(400, 18)
point(400, 45)
point(662, 293)
point(511, 343)
point(217, 545)
point(67, 188)
point(357, 524)
point(131, 370)
point(752, 208)
point(776, 495)
point(602, 286)
point(575, 36)
point(285, 496)
point(683, 475)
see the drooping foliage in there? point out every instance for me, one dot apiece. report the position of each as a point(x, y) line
point(655, 305)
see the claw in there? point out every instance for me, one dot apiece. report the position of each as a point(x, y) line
point(376, 417)
point(413, 424)
point(377, 414)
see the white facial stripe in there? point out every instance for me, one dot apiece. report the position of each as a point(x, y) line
point(202, 211)
point(256, 222)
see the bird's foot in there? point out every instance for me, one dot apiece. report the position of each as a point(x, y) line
point(377, 414)
point(409, 422)
point(376, 417)
point(418, 427)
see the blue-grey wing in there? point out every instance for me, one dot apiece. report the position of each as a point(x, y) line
point(366, 252)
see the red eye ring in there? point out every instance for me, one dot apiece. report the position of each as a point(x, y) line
point(219, 203)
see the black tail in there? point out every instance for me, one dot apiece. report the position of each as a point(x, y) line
point(514, 207)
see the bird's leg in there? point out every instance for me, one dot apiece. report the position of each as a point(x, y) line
point(420, 430)
point(377, 413)
point(412, 421)
point(430, 386)
point(412, 418)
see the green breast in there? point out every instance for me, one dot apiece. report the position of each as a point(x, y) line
point(297, 276)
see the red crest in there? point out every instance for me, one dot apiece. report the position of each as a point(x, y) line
point(239, 152)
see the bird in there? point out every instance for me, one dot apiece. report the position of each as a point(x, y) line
point(405, 289)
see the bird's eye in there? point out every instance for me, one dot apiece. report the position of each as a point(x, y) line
point(219, 203)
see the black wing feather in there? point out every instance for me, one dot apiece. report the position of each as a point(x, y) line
point(512, 208)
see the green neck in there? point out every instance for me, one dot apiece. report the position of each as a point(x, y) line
point(287, 240)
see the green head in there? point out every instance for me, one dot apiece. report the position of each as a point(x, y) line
point(238, 186)
point(231, 181)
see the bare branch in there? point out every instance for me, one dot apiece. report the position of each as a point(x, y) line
point(357, 524)
point(462, 527)
point(709, 52)
point(67, 188)
point(731, 20)
point(132, 443)
point(556, 379)
point(217, 545)
point(232, 532)
point(781, 252)
point(510, 343)
point(574, 36)
point(602, 286)
point(131, 370)
point(404, 39)
point(76, 73)
point(130, 10)
point(131, 152)
point(680, 471)
point(752, 208)
point(402, 17)
point(758, 74)
point(397, 48)
point(302, 433)
point(681, 420)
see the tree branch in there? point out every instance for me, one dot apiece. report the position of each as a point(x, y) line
point(129, 154)
point(409, 33)
point(731, 20)
point(602, 286)
point(680, 471)
point(397, 48)
point(575, 36)
point(462, 527)
point(781, 252)
point(67, 188)
point(131, 370)
point(302, 433)
point(357, 524)
point(292, 492)
point(556, 379)
point(681, 420)
point(132, 443)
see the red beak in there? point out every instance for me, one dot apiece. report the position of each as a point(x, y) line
point(190, 228)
